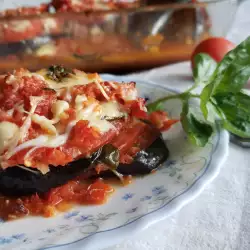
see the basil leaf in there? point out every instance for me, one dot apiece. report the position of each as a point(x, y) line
point(236, 112)
point(154, 107)
point(110, 155)
point(231, 55)
point(204, 68)
point(204, 99)
point(198, 132)
point(239, 128)
point(233, 71)
point(230, 75)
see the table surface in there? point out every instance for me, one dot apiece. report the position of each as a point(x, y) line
point(220, 217)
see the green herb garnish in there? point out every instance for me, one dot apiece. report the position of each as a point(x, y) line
point(110, 156)
point(58, 73)
point(221, 95)
point(49, 89)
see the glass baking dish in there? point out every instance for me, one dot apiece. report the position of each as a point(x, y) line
point(112, 41)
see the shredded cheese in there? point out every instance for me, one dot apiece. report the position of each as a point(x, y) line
point(11, 79)
point(7, 131)
point(79, 78)
point(94, 119)
point(44, 123)
point(49, 24)
point(102, 90)
point(45, 140)
point(58, 108)
point(56, 134)
point(111, 110)
point(21, 133)
point(79, 101)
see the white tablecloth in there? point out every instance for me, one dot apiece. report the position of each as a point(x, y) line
point(220, 217)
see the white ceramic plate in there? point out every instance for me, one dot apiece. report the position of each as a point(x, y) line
point(134, 207)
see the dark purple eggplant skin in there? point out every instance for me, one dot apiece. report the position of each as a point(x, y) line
point(12, 48)
point(16, 182)
point(146, 160)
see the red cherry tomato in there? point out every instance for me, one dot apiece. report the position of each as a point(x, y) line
point(216, 47)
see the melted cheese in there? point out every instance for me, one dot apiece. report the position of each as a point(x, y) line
point(79, 78)
point(88, 114)
point(45, 140)
point(44, 123)
point(11, 79)
point(95, 113)
point(58, 108)
point(49, 24)
point(79, 101)
point(46, 50)
point(7, 131)
point(102, 90)
point(111, 110)
point(94, 118)
point(21, 133)
point(20, 26)
point(102, 125)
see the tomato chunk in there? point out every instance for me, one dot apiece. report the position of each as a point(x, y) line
point(161, 121)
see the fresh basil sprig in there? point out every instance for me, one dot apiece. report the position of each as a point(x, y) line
point(58, 73)
point(222, 89)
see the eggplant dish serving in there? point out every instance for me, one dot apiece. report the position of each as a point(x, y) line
point(63, 132)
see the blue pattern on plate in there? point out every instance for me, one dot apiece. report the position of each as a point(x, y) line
point(128, 196)
point(11, 239)
point(83, 218)
point(132, 210)
point(146, 198)
point(158, 190)
point(87, 224)
point(71, 214)
point(50, 230)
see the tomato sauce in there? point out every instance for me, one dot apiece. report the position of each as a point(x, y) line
point(59, 199)
point(82, 141)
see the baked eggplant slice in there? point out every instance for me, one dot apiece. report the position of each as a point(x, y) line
point(12, 48)
point(16, 181)
point(146, 160)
